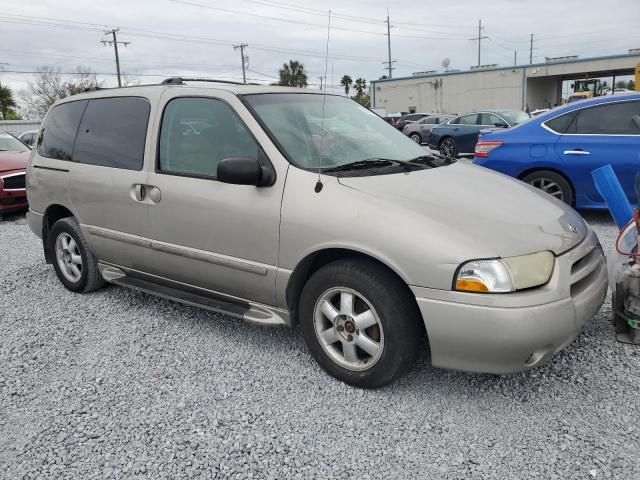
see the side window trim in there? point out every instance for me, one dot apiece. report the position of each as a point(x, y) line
point(263, 159)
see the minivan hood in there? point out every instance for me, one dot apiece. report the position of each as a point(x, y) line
point(501, 215)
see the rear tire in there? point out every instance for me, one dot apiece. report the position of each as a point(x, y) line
point(360, 322)
point(74, 262)
point(448, 148)
point(552, 183)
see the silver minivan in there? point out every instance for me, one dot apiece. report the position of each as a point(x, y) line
point(283, 206)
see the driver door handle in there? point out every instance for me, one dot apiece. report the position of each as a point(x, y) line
point(576, 152)
point(139, 192)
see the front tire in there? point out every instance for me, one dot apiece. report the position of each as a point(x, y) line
point(552, 183)
point(448, 148)
point(360, 322)
point(74, 262)
point(416, 138)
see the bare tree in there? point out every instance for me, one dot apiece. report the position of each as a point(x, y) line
point(50, 85)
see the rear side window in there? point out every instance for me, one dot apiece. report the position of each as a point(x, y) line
point(613, 119)
point(468, 119)
point(59, 130)
point(113, 132)
point(197, 133)
point(563, 123)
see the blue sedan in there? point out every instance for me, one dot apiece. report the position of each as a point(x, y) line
point(557, 150)
point(460, 134)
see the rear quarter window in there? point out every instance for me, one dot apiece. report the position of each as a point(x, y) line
point(562, 123)
point(59, 130)
point(112, 133)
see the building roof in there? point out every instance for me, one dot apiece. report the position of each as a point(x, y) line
point(493, 69)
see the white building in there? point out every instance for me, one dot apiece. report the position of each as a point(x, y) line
point(489, 87)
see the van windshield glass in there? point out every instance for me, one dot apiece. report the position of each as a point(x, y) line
point(350, 132)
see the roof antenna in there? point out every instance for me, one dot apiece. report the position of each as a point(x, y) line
point(324, 101)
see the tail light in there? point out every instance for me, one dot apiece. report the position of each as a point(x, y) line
point(483, 148)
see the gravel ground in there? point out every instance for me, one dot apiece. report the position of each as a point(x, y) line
point(119, 384)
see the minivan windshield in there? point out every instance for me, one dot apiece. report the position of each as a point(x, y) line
point(9, 143)
point(348, 133)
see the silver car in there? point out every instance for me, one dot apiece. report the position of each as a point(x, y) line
point(419, 131)
point(375, 250)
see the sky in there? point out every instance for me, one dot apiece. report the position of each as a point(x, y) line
point(196, 37)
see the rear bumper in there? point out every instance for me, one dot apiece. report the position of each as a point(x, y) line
point(34, 219)
point(501, 339)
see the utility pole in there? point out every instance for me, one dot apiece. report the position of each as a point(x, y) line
point(515, 58)
point(479, 38)
point(115, 43)
point(389, 62)
point(244, 59)
point(320, 77)
point(531, 51)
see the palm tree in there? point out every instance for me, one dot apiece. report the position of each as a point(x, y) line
point(360, 86)
point(346, 82)
point(7, 101)
point(293, 75)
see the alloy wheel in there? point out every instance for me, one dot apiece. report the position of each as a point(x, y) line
point(68, 257)
point(548, 186)
point(348, 328)
point(447, 148)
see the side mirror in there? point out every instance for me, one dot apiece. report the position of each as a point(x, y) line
point(244, 171)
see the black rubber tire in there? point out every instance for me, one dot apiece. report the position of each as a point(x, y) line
point(415, 135)
point(453, 143)
point(565, 186)
point(91, 278)
point(401, 321)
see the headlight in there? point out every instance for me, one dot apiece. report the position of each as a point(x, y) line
point(505, 274)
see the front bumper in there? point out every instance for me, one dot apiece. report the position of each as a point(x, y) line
point(507, 333)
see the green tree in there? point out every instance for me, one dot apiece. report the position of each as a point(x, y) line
point(292, 74)
point(346, 81)
point(7, 102)
point(360, 85)
point(12, 115)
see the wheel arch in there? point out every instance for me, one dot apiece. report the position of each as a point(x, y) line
point(52, 214)
point(542, 168)
point(315, 260)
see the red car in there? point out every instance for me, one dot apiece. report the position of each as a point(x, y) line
point(14, 156)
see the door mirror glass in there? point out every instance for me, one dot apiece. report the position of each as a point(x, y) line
point(240, 171)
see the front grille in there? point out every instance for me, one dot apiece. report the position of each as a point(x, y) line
point(14, 182)
point(584, 268)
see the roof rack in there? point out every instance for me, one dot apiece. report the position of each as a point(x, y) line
point(181, 81)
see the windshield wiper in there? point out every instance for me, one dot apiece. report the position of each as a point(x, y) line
point(370, 162)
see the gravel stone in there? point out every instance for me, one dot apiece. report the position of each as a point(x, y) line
point(119, 384)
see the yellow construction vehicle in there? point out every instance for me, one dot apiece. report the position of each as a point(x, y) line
point(586, 88)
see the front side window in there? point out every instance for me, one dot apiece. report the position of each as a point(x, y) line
point(490, 119)
point(515, 117)
point(613, 119)
point(468, 119)
point(59, 130)
point(197, 133)
point(346, 133)
point(113, 132)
